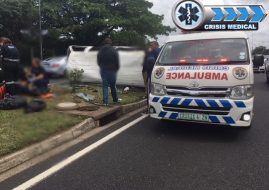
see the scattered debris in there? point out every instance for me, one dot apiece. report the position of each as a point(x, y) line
point(126, 90)
point(86, 97)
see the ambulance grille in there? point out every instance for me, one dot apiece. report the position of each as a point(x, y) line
point(199, 110)
point(202, 92)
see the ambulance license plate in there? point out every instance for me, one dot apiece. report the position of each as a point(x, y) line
point(193, 117)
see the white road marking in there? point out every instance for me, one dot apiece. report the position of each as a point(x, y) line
point(30, 183)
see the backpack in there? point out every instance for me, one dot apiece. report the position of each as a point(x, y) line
point(35, 106)
point(12, 102)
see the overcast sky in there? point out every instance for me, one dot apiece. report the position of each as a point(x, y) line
point(261, 37)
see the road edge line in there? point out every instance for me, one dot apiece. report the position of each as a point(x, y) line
point(35, 180)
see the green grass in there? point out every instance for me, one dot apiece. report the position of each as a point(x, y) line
point(18, 130)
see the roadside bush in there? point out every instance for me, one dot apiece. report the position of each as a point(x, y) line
point(75, 77)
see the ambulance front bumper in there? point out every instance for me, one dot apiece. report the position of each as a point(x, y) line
point(217, 111)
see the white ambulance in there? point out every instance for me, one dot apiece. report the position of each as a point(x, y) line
point(205, 78)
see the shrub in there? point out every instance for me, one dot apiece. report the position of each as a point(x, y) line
point(75, 77)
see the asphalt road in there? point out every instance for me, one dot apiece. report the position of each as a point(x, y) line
point(171, 155)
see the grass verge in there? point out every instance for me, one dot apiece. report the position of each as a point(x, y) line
point(18, 130)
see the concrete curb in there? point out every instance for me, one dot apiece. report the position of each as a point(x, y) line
point(130, 107)
point(17, 158)
point(10, 161)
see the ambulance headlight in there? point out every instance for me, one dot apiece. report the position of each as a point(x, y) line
point(242, 92)
point(158, 89)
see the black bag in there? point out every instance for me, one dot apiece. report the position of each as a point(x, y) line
point(12, 102)
point(14, 89)
point(35, 106)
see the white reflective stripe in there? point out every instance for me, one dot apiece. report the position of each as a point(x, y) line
point(171, 99)
point(12, 82)
point(207, 104)
point(233, 104)
point(221, 119)
point(219, 103)
point(11, 60)
point(193, 103)
point(40, 177)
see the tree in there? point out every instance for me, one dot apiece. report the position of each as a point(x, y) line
point(259, 50)
point(16, 15)
point(266, 52)
point(81, 22)
point(89, 21)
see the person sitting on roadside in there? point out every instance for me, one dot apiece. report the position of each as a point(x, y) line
point(39, 79)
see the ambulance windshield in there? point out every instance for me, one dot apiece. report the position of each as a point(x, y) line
point(205, 52)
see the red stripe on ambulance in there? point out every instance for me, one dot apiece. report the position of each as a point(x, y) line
point(196, 75)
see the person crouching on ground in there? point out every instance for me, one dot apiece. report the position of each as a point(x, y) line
point(39, 79)
point(108, 61)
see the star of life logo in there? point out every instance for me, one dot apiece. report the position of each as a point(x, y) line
point(193, 15)
point(188, 14)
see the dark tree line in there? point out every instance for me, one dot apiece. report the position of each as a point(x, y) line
point(81, 22)
point(260, 50)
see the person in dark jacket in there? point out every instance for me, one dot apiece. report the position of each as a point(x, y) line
point(10, 69)
point(39, 78)
point(10, 60)
point(151, 57)
point(145, 69)
point(108, 61)
point(37, 83)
